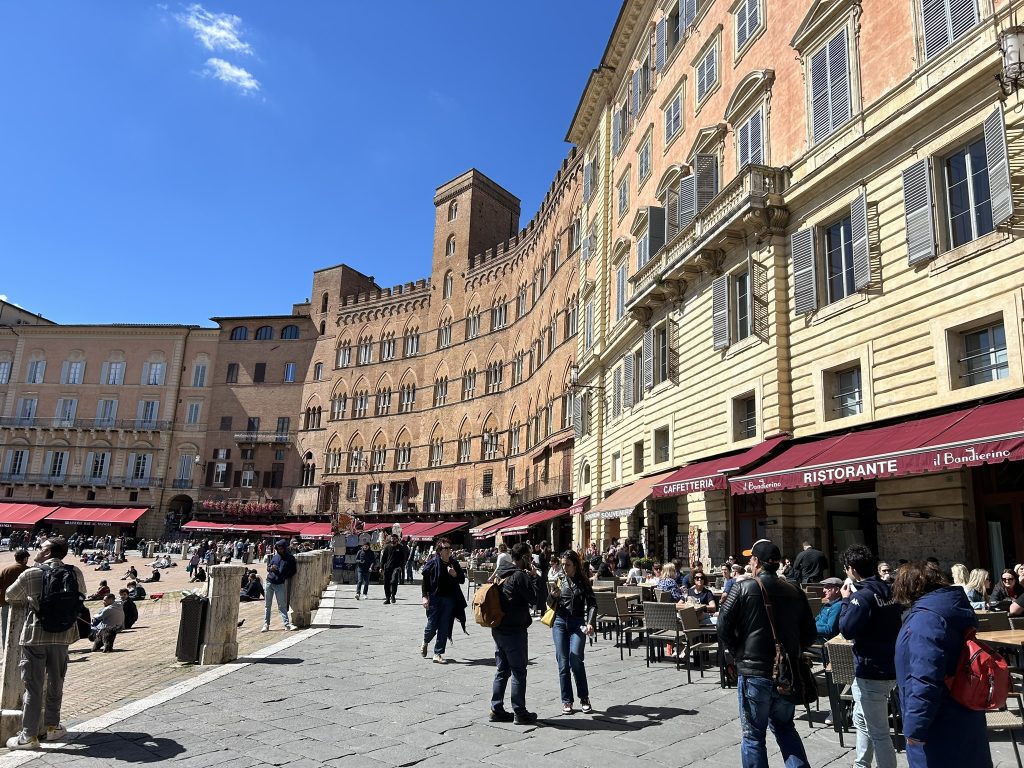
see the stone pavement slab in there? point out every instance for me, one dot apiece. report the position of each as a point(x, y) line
point(355, 692)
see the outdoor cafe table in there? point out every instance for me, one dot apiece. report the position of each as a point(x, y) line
point(1012, 639)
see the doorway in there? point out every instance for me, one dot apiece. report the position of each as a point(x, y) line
point(852, 519)
point(999, 499)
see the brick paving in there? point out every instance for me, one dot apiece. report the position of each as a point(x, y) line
point(358, 694)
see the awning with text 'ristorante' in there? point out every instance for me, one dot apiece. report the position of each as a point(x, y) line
point(710, 474)
point(97, 515)
point(970, 437)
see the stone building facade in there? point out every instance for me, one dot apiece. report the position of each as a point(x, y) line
point(801, 222)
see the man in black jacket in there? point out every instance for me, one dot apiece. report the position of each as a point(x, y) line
point(392, 561)
point(810, 565)
point(745, 629)
point(520, 590)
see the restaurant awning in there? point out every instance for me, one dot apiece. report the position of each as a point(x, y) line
point(710, 474)
point(579, 505)
point(622, 501)
point(523, 523)
point(96, 515)
point(433, 530)
point(22, 515)
point(983, 434)
point(315, 531)
point(488, 529)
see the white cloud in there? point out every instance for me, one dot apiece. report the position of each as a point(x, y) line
point(232, 75)
point(216, 31)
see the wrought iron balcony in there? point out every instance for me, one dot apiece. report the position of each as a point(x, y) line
point(34, 422)
point(273, 438)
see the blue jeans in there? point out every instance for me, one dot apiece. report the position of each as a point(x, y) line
point(281, 591)
point(510, 655)
point(570, 642)
point(762, 708)
point(871, 720)
point(362, 580)
point(439, 620)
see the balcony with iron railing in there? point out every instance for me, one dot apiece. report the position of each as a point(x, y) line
point(272, 438)
point(121, 481)
point(34, 422)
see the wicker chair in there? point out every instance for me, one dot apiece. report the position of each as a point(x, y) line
point(839, 674)
point(813, 590)
point(1009, 719)
point(993, 622)
point(662, 623)
point(607, 619)
point(629, 591)
point(626, 625)
point(815, 603)
point(665, 597)
point(697, 643)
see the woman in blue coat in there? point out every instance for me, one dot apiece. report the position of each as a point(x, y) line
point(939, 731)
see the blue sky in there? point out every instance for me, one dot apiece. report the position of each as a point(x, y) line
point(166, 163)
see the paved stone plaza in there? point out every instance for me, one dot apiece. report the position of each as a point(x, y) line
point(359, 694)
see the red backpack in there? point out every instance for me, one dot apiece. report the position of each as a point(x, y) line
point(982, 678)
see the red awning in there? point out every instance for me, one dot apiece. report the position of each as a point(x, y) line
point(487, 530)
point(984, 434)
point(437, 529)
point(710, 474)
point(97, 515)
point(316, 531)
point(22, 515)
point(522, 523)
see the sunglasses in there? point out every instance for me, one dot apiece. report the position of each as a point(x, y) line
point(1008, 578)
point(442, 548)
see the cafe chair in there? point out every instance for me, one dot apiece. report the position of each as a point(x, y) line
point(1009, 719)
point(698, 645)
point(665, 597)
point(630, 622)
point(607, 616)
point(662, 624)
point(839, 674)
point(993, 622)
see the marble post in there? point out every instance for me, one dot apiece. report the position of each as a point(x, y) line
point(303, 585)
point(11, 698)
point(220, 638)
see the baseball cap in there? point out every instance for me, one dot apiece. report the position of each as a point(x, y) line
point(831, 581)
point(765, 551)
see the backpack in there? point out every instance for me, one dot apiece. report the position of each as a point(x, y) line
point(487, 610)
point(60, 601)
point(981, 681)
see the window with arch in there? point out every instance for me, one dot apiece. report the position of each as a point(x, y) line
point(332, 463)
point(453, 210)
point(585, 474)
point(436, 452)
point(378, 458)
point(473, 323)
point(407, 399)
point(387, 346)
point(494, 375)
point(489, 444)
point(323, 302)
point(383, 401)
point(449, 247)
point(465, 448)
point(323, 327)
point(359, 404)
point(355, 459)
point(339, 404)
point(468, 384)
point(344, 355)
point(239, 333)
point(308, 471)
point(318, 372)
point(264, 333)
point(441, 391)
point(290, 332)
point(513, 439)
point(449, 283)
point(412, 342)
point(444, 334)
point(403, 455)
point(365, 350)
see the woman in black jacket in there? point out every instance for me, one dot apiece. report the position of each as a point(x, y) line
point(575, 606)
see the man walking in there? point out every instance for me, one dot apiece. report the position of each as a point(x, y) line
point(442, 599)
point(279, 572)
point(871, 620)
point(520, 588)
point(44, 655)
point(8, 576)
point(365, 558)
point(745, 627)
point(392, 561)
point(810, 565)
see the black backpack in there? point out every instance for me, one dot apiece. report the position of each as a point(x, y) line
point(60, 602)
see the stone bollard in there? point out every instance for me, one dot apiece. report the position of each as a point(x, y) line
point(11, 698)
point(184, 552)
point(302, 588)
point(220, 638)
point(150, 550)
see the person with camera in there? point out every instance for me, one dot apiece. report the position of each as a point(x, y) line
point(520, 589)
point(575, 606)
point(755, 613)
point(442, 599)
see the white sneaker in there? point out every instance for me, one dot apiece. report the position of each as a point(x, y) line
point(439, 659)
point(23, 741)
point(290, 628)
point(53, 733)
point(266, 628)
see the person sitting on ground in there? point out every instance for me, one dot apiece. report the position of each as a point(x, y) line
point(668, 582)
point(131, 611)
point(135, 591)
point(199, 575)
point(103, 566)
point(827, 622)
point(253, 590)
point(131, 574)
point(106, 624)
point(153, 578)
point(101, 592)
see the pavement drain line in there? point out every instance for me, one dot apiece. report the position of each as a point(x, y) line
point(12, 759)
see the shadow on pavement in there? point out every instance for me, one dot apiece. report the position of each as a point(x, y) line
point(268, 660)
point(486, 662)
point(344, 626)
point(609, 719)
point(120, 746)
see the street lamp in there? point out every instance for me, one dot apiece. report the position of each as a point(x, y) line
point(574, 380)
point(1011, 43)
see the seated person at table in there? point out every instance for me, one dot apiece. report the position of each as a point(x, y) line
point(135, 592)
point(723, 574)
point(131, 574)
point(831, 606)
point(694, 570)
point(253, 590)
point(682, 580)
point(668, 582)
point(131, 611)
point(607, 568)
point(154, 577)
point(700, 593)
point(100, 593)
point(978, 588)
point(735, 571)
point(655, 576)
point(635, 575)
point(1007, 588)
point(105, 624)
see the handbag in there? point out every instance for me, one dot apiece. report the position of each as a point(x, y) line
point(548, 619)
point(793, 681)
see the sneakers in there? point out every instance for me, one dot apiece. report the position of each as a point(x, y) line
point(291, 628)
point(501, 716)
point(357, 595)
point(266, 628)
point(567, 709)
point(423, 650)
point(439, 659)
point(23, 741)
point(585, 706)
point(525, 718)
point(53, 733)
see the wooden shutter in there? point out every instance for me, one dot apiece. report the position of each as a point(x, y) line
point(209, 473)
point(963, 16)
point(687, 201)
point(460, 491)
point(104, 373)
point(820, 122)
point(742, 34)
point(671, 215)
point(627, 380)
point(8, 461)
point(140, 411)
point(620, 292)
point(660, 40)
point(917, 210)
point(673, 350)
point(577, 415)
point(617, 392)
point(47, 462)
point(998, 167)
point(145, 374)
point(755, 139)
point(87, 467)
point(648, 359)
point(64, 370)
point(705, 172)
point(634, 94)
point(936, 27)
point(655, 230)
point(805, 280)
point(588, 176)
point(129, 468)
point(720, 311)
point(586, 248)
point(859, 235)
point(838, 80)
point(688, 14)
point(616, 131)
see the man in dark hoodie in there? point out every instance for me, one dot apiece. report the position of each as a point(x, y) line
point(279, 572)
point(520, 590)
point(442, 599)
point(871, 619)
point(392, 561)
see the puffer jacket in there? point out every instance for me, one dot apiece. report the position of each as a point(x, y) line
point(745, 631)
point(574, 601)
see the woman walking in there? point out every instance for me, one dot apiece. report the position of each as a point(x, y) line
point(575, 606)
point(940, 732)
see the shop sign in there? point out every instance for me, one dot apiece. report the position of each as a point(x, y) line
point(716, 482)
